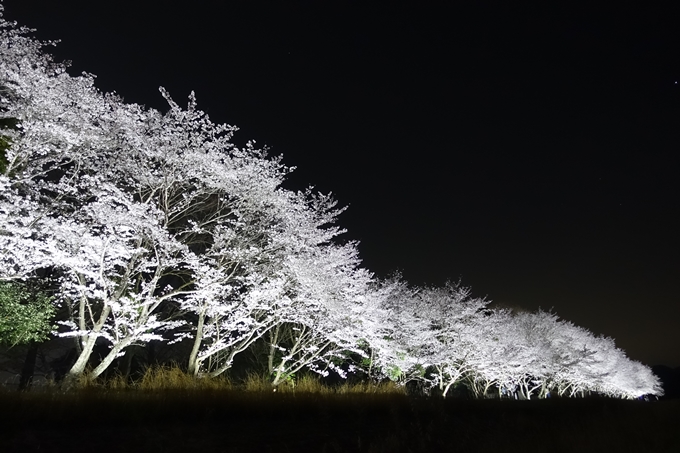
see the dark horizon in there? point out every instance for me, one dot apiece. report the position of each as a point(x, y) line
point(529, 153)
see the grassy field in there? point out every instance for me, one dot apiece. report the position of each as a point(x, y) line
point(170, 412)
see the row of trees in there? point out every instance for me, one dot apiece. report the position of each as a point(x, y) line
point(147, 226)
point(445, 337)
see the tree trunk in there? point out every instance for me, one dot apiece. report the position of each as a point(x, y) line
point(29, 366)
point(78, 368)
point(279, 374)
point(446, 389)
point(110, 357)
point(194, 365)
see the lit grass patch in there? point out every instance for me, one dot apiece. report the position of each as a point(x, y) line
point(386, 388)
point(309, 384)
point(256, 383)
point(174, 378)
point(312, 384)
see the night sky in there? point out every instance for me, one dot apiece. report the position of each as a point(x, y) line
point(531, 154)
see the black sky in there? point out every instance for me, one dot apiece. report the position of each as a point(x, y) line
point(531, 153)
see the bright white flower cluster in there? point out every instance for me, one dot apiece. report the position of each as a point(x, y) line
point(442, 337)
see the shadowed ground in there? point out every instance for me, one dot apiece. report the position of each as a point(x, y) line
point(239, 421)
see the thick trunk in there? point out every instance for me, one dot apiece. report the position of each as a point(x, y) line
point(78, 368)
point(110, 357)
point(279, 374)
point(194, 364)
point(523, 391)
point(446, 389)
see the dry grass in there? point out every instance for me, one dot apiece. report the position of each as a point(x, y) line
point(372, 388)
point(174, 378)
point(256, 383)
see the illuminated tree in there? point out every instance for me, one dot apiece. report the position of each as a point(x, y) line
point(396, 346)
point(455, 320)
point(432, 334)
point(322, 320)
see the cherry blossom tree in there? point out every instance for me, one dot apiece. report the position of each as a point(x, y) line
point(488, 365)
point(322, 321)
point(396, 348)
point(430, 329)
point(455, 320)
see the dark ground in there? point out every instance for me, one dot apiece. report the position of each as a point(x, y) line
point(245, 422)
